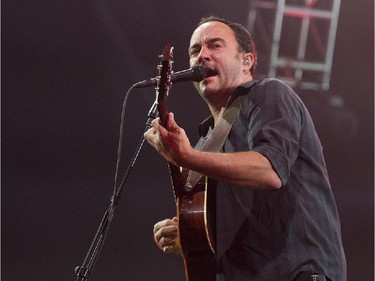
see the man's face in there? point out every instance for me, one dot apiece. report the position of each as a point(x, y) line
point(213, 44)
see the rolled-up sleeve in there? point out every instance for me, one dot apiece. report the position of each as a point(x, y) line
point(275, 123)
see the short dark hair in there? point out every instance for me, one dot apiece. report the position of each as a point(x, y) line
point(243, 37)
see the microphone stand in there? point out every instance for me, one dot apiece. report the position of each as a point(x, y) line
point(83, 272)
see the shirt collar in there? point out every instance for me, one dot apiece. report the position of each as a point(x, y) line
point(208, 123)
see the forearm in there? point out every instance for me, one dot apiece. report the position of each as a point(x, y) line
point(248, 169)
point(245, 169)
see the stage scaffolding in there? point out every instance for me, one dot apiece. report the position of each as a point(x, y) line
point(295, 39)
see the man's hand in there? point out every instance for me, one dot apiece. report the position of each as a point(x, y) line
point(171, 142)
point(166, 236)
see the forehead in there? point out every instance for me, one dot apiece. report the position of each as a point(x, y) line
point(211, 30)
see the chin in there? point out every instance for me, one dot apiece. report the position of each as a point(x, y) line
point(207, 89)
point(209, 92)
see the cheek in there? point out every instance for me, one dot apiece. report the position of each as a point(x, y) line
point(234, 67)
point(192, 62)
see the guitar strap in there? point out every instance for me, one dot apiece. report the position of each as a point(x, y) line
point(215, 141)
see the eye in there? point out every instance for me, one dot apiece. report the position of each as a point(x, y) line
point(216, 45)
point(194, 52)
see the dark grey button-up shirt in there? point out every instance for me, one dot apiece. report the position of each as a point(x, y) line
point(274, 235)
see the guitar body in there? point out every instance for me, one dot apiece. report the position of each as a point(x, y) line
point(196, 219)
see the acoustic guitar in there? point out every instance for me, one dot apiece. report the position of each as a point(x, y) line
point(196, 220)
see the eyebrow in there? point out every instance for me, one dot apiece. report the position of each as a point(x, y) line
point(211, 40)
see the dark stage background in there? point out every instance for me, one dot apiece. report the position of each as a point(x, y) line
point(66, 66)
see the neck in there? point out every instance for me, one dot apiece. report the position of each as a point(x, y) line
point(218, 103)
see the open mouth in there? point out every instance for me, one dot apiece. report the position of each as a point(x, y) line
point(211, 72)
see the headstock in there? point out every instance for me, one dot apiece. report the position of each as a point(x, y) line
point(164, 83)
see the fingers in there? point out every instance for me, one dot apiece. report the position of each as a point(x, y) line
point(155, 123)
point(165, 228)
point(171, 124)
point(171, 248)
point(165, 232)
point(152, 136)
point(164, 140)
point(165, 235)
point(171, 142)
point(156, 129)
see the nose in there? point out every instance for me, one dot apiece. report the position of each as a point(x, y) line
point(203, 55)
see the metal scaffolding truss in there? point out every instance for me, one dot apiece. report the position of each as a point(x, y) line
point(295, 40)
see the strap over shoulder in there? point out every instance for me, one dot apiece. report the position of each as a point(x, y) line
point(215, 140)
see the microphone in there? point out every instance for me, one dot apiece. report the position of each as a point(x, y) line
point(196, 74)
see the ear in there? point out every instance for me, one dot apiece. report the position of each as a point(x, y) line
point(248, 61)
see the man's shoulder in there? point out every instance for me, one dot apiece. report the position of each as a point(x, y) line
point(272, 82)
point(272, 92)
point(274, 87)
